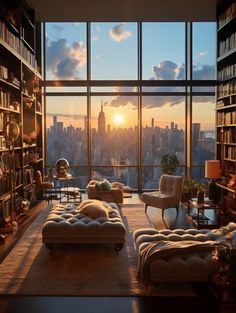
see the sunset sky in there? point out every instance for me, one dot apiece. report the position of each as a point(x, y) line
point(114, 57)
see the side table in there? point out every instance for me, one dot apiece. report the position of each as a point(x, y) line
point(197, 213)
point(66, 190)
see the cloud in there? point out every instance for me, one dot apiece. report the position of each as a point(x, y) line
point(94, 38)
point(119, 33)
point(203, 72)
point(203, 53)
point(63, 60)
point(167, 70)
point(57, 28)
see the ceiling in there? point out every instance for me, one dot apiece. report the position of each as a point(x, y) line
point(123, 10)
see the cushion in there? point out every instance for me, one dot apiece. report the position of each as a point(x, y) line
point(117, 185)
point(98, 186)
point(94, 209)
point(106, 185)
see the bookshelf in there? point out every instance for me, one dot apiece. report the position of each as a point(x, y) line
point(226, 100)
point(21, 103)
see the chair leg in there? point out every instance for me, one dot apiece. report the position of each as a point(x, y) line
point(177, 209)
point(146, 208)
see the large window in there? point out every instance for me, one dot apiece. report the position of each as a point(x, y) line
point(163, 51)
point(118, 99)
point(66, 51)
point(114, 51)
point(204, 51)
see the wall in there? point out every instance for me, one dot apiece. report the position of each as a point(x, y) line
point(124, 10)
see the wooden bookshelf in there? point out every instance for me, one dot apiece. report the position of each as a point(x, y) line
point(226, 99)
point(21, 102)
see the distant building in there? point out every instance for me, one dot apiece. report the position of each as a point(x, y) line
point(101, 122)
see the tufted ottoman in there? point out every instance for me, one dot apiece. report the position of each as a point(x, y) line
point(66, 225)
point(179, 264)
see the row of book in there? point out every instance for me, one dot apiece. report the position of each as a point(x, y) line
point(29, 156)
point(227, 15)
point(5, 184)
point(226, 101)
point(226, 89)
point(226, 137)
point(28, 176)
point(7, 159)
point(8, 101)
point(14, 42)
point(229, 136)
point(227, 44)
point(226, 118)
point(230, 153)
point(4, 74)
point(28, 56)
point(227, 72)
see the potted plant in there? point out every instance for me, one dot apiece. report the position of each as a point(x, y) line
point(169, 164)
point(191, 187)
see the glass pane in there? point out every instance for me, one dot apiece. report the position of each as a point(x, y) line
point(79, 176)
point(66, 51)
point(66, 89)
point(204, 50)
point(117, 89)
point(163, 89)
point(204, 89)
point(163, 128)
point(203, 132)
point(151, 176)
point(114, 51)
point(125, 175)
point(66, 123)
point(114, 122)
point(163, 51)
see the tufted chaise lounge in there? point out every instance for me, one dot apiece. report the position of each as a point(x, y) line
point(181, 265)
point(66, 225)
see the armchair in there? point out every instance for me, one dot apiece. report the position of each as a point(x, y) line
point(168, 195)
point(42, 187)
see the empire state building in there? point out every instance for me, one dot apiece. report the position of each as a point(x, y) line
point(101, 122)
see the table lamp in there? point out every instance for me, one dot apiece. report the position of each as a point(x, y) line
point(212, 170)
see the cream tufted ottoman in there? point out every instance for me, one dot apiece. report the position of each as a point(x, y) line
point(66, 225)
point(179, 265)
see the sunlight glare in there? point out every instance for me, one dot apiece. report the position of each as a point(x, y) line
point(118, 119)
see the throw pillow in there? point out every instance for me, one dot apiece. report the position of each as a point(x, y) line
point(98, 186)
point(106, 185)
point(94, 209)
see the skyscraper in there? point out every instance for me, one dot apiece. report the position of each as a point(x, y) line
point(101, 122)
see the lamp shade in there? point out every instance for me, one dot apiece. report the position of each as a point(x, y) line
point(212, 169)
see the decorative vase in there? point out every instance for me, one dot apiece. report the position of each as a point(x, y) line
point(200, 196)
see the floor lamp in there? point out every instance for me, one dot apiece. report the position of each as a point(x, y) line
point(212, 171)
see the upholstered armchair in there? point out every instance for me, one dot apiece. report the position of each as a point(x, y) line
point(167, 196)
point(42, 186)
point(104, 191)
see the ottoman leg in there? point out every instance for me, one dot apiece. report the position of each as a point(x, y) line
point(119, 246)
point(49, 245)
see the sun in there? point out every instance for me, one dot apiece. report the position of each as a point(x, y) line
point(118, 119)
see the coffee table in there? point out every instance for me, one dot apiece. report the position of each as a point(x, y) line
point(204, 215)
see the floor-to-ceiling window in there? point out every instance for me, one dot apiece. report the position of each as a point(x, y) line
point(120, 96)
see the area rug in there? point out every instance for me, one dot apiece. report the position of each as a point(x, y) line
point(82, 270)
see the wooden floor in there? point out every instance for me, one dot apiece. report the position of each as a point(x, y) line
point(204, 302)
